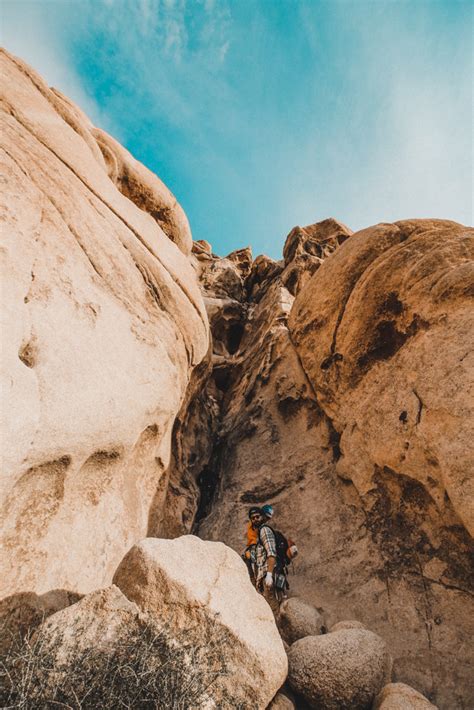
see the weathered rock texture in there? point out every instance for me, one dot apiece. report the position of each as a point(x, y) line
point(341, 671)
point(298, 619)
point(103, 325)
point(98, 620)
point(307, 247)
point(104, 652)
point(398, 696)
point(385, 334)
point(203, 589)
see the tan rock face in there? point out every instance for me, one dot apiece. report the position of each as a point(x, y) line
point(103, 324)
point(385, 334)
point(145, 190)
point(306, 248)
point(200, 588)
point(264, 270)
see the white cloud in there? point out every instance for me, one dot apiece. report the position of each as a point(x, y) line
point(28, 35)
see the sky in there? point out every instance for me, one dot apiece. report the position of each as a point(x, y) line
point(263, 114)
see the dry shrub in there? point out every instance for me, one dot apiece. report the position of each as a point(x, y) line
point(147, 669)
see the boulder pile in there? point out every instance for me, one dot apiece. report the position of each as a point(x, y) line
point(349, 668)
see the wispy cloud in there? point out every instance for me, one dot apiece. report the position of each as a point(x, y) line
point(29, 34)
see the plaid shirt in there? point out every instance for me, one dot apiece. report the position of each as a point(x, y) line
point(265, 548)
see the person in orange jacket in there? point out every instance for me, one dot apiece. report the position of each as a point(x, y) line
point(252, 532)
point(266, 512)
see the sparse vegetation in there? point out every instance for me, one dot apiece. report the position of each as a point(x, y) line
point(147, 669)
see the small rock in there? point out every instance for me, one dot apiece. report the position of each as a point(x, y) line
point(202, 247)
point(338, 671)
point(299, 619)
point(347, 624)
point(281, 702)
point(398, 696)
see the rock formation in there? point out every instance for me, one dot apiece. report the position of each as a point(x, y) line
point(281, 702)
point(390, 550)
point(103, 325)
point(298, 619)
point(385, 336)
point(336, 386)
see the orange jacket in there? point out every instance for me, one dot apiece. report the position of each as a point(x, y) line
point(252, 535)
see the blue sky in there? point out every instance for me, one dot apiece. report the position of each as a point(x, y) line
point(263, 114)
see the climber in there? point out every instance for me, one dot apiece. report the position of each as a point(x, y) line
point(263, 551)
point(252, 532)
point(257, 533)
point(252, 538)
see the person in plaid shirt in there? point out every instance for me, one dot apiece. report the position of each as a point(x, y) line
point(263, 553)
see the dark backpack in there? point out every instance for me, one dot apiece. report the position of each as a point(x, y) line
point(282, 545)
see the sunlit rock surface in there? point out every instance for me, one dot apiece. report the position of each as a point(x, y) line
point(103, 323)
point(202, 589)
point(385, 334)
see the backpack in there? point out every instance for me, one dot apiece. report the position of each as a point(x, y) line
point(283, 557)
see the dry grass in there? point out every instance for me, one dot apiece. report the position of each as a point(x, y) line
point(145, 670)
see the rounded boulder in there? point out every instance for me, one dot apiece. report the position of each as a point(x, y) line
point(281, 702)
point(398, 696)
point(339, 671)
point(299, 619)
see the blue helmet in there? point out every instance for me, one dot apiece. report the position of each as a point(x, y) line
point(267, 510)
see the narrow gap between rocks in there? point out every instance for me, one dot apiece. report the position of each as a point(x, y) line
point(208, 482)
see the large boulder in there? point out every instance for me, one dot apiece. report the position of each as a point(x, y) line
point(203, 589)
point(344, 670)
point(298, 619)
point(103, 323)
point(385, 330)
point(398, 696)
